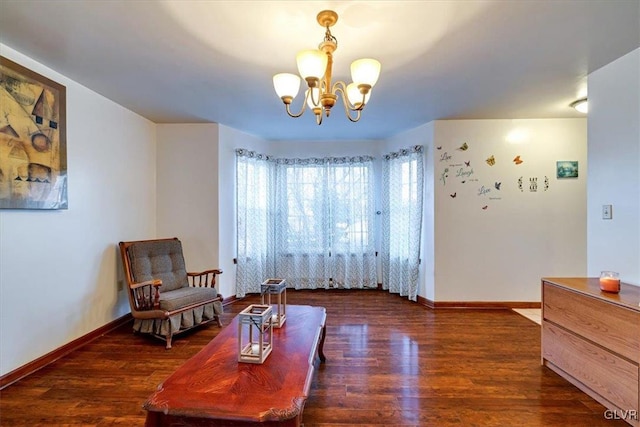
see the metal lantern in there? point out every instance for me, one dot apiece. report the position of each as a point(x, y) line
point(275, 287)
point(255, 333)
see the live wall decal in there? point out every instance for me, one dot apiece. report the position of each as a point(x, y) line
point(33, 149)
point(492, 179)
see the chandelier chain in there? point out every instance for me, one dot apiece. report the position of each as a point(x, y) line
point(328, 37)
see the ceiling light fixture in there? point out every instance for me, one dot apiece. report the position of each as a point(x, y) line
point(582, 105)
point(315, 67)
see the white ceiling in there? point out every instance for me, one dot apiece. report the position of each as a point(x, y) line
point(212, 61)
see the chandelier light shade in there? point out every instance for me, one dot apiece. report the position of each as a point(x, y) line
point(287, 85)
point(315, 68)
point(312, 64)
point(365, 71)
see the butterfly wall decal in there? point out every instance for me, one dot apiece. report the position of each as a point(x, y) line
point(485, 207)
point(453, 195)
point(468, 164)
point(497, 185)
point(439, 148)
point(491, 160)
point(463, 147)
point(517, 160)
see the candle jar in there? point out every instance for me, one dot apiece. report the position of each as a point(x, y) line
point(610, 281)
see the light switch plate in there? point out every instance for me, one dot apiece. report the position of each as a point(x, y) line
point(607, 212)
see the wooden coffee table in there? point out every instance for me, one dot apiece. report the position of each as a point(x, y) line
point(214, 389)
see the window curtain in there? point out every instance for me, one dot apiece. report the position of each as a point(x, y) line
point(352, 207)
point(402, 220)
point(309, 221)
point(255, 231)
point(324, 231)
point(302, 221)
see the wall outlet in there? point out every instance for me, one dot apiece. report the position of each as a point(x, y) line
point(607, 212)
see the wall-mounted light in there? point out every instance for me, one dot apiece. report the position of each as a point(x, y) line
point(581, 105)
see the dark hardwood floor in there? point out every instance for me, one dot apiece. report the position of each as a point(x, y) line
point(390, 362)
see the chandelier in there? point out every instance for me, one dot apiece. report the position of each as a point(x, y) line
point(315, 67)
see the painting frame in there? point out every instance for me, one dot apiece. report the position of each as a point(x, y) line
point(567, 169)
point(33, 139)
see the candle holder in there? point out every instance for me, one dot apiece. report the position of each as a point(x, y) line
point(610, 281)
point(275, 287)
point(255, 333)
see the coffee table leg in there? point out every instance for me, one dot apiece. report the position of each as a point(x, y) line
point(321, 347)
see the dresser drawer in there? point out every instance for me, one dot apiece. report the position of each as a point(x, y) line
point(610, 376)
point(613, 327)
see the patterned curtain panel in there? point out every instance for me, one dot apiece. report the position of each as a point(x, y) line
point(309, 221)
point(402, 220)
point(324, 232)
point(254, 178)
point(302, 221)
point(352, 209)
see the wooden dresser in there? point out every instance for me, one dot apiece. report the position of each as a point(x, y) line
point(592, 339)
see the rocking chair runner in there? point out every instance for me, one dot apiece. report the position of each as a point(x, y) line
point(165, 299)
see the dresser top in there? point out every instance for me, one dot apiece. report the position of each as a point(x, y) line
point(629, 295)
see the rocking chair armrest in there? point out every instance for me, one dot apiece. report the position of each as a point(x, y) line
point(145, 300)
point(153, 282)
point(204, 279)
point(213, 270)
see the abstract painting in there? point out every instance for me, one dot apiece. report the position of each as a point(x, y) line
point(33, 148)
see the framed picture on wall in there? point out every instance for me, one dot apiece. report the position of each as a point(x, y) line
point(566, 169)
point(33, 146)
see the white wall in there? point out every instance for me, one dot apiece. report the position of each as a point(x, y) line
point(499, 253)
point(58, 269)
point(614, 168)
point(187, 186)
point(422, 135)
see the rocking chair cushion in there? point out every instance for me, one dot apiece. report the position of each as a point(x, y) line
point(164, 261)
point(183, 297)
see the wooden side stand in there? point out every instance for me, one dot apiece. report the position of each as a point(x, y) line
point(592, 339)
